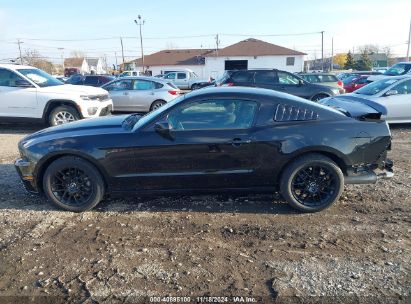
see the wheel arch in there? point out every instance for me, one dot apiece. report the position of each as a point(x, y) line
point(159, 99)
point(334, 155)
point(53, 103)
point(45, 162)
point(320, 93)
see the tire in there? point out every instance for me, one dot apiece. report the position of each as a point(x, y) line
point(319, 97)
point(73, 184)
point(156, 104)
point(195, 87)
point(311, 183)
point(63, 114)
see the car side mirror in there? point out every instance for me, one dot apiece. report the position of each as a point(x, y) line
point(300, 82)
point(21, 83)
point(391, 92)
point(163, 128)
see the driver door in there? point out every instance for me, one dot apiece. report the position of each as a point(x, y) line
point(18, 97)
point(209, 146)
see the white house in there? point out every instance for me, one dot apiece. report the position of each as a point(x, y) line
point(246, 54)
point(253, 54)
point(95, 66)
point(85, 65)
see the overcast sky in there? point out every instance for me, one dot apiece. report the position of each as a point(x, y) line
point(94, 26)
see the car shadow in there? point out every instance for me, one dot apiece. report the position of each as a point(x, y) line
point(13, 196)
point(21, 128)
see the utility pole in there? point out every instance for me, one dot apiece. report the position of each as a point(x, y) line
point(140, 23)
point(408, 47)
point(122, 50)
point(332, 53)
point(322, 50)
point(115, 55)
point(20, 42)
point(217, 42)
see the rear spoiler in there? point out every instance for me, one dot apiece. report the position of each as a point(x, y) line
point(355, 107)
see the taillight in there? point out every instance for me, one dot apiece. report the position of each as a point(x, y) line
point(340, 83)
point(173, 92)
point(229, 84)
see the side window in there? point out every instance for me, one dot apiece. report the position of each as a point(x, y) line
point(362, 80)
point(142, 85)
point(181, 76)
point(403, 88)
point(170, 76)
point(119, 85)
point(287, 78)
point(290, 60)
point(91, 80)
point(265, 77)
point(158, 85)
point(242, 76)
point(9, 78)
point(213, 114)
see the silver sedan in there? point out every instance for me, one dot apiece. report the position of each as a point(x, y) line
point(394, 93)
point(140, 94)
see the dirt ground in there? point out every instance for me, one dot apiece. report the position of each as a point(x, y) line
point(129, 250)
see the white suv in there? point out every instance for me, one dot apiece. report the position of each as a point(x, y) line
point(29, 93)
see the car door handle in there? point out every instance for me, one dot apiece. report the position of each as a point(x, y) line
point(125, 93)
point(236, 142)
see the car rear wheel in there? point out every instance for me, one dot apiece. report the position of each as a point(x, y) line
point(62, 115)
point(156, 104)
point(73, 184)
point(195, 87)
point(319, 97)
point(312, 183)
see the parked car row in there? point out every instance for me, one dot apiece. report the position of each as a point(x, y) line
point(278, 80)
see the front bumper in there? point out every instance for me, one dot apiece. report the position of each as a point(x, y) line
point(99, 108)
point(25, 170)
point(368, 176)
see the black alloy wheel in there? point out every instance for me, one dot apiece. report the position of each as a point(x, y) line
point(314, 185)
point(312, 182)
point(73, 184)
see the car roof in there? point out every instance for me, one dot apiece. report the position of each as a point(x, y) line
point(12, 66)
point(146, 78)
point(322, 74)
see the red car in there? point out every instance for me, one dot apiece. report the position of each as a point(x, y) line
point(353, 83)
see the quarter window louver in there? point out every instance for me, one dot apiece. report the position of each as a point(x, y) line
point(291, 113)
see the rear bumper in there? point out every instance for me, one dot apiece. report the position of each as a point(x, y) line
point(368, 176)
point(25, 170)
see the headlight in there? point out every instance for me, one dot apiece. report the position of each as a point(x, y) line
point(85, 97)
point(336, 91)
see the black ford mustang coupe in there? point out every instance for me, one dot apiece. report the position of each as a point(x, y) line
point(212, 140)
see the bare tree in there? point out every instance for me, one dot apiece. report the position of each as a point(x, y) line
point(171, 45)
point(369, 48)
point(32, 57)
point(77, 54)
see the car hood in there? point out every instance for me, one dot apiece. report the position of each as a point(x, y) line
point(85, 127)
point(356, 107)
point(74, 89)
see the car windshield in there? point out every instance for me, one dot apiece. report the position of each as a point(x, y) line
point(349, 79)
point(146, 118)
point(376, 87)
point(39, 77)
point(398, 69)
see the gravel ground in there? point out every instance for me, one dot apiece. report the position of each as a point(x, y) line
point(126, 250)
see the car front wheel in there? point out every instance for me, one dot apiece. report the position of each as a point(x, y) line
point(312, 183)
point(62, 115)
point(73, 184)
